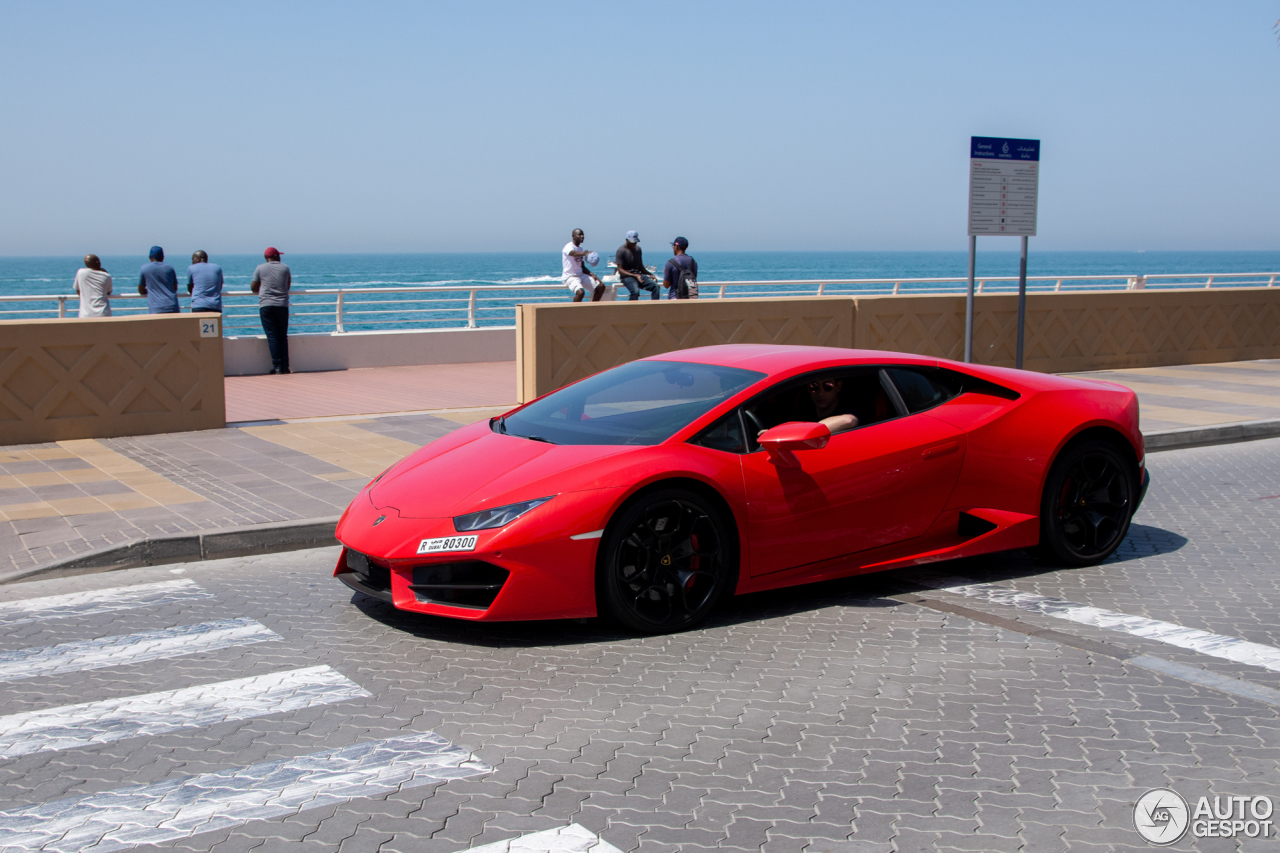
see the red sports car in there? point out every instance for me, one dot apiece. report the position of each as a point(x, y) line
point(649, 491)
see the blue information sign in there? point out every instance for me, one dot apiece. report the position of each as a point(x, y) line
point(1004, 186)
point(996, 148)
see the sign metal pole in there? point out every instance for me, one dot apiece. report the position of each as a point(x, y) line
point(968, 304)
point(1022, 301)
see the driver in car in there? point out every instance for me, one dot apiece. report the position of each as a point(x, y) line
point(828, 409)
point(823, 405)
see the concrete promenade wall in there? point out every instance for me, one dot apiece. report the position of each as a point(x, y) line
point(1065, 332)
point(105, 377)
point(246, 356)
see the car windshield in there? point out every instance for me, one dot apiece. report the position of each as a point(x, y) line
point(644, 402)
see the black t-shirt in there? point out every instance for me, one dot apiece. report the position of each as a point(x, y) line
point(630, 260)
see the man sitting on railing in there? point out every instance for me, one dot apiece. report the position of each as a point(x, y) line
point(631, 270)
point(576, 277)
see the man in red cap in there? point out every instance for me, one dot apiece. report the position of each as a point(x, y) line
point(271, 281)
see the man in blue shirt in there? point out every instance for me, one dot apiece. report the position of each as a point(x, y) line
point(681, 262)
point(204, 283)
point(159, 283)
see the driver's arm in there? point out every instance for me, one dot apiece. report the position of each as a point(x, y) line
point(840, 423)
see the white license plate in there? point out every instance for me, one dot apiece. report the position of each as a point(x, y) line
point(447, 543)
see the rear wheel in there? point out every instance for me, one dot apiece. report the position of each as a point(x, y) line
point(1087, 503)
point(665, 560)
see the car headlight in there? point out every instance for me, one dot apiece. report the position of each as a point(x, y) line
point(496, 517)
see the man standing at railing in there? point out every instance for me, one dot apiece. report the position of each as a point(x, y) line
point(159, 283)
point(631, 270)
point(94, 286)
point(271, 281)
point(204, 283)
point(576, 277)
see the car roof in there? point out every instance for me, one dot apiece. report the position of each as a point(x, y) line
point(779, 361)
point(773, 358)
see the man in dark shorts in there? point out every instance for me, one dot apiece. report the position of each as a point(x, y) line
point(631, 270)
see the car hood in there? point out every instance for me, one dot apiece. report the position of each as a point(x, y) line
point(476, 468)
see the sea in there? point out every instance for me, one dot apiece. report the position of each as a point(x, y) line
point(369, 310)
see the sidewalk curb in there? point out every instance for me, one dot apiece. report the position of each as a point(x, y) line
point(318, 532)
point(189, 547)
point(1179, 439)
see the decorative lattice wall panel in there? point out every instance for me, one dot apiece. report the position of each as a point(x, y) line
point(559, 344)
point(1069, 332)
point(105, 377)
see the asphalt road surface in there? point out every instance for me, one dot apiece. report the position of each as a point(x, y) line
point(988, 704)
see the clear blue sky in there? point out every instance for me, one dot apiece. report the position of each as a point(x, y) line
point(414, 126)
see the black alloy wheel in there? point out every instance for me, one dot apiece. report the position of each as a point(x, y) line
point(665, 560)
point(1087, 504)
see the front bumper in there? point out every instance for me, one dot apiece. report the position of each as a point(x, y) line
point(534, 568)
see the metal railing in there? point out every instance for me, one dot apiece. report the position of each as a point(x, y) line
point(353, 310)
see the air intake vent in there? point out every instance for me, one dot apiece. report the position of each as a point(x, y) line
point(467, 584)
point(369, 573)
point(971, 526)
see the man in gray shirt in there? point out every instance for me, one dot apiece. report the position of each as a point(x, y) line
point(271, 281)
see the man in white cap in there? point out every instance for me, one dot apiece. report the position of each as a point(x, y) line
point(631, 269)
point(576, 277)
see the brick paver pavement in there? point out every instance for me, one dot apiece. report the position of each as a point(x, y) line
point(836, 717)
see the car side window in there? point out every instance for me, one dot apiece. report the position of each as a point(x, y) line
point(725, 434)
point(922, 388)
point(860, 392)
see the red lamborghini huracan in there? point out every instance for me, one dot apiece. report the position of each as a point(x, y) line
point(649, 491)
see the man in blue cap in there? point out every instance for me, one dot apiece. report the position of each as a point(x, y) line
point(159, 283)
point(631, 269)
point(681, 272)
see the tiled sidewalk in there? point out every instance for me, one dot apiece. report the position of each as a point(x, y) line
point(61, 500)
point(1201, 394)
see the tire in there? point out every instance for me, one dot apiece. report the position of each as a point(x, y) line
point(666, 560)
point(1087, 505)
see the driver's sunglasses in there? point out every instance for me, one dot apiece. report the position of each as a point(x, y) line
point(824, 386)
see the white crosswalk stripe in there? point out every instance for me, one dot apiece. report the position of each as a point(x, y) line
point(132, 648)
point(178, 808)
point(111, 720)
point(99, 601)
point(569, 839)
point(1205, 642)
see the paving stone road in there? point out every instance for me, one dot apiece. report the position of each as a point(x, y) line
point(868, 715)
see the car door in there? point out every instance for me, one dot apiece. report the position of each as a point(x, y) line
point(881, 483)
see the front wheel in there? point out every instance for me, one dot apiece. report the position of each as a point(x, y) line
point(665, 560)
point(1087, 504)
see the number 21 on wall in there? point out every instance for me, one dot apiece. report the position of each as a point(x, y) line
point(208, 328)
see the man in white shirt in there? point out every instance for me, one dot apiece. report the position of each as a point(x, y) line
point(94, 286)
point(576, 277)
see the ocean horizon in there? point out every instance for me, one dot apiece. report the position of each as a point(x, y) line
point(53, 275)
